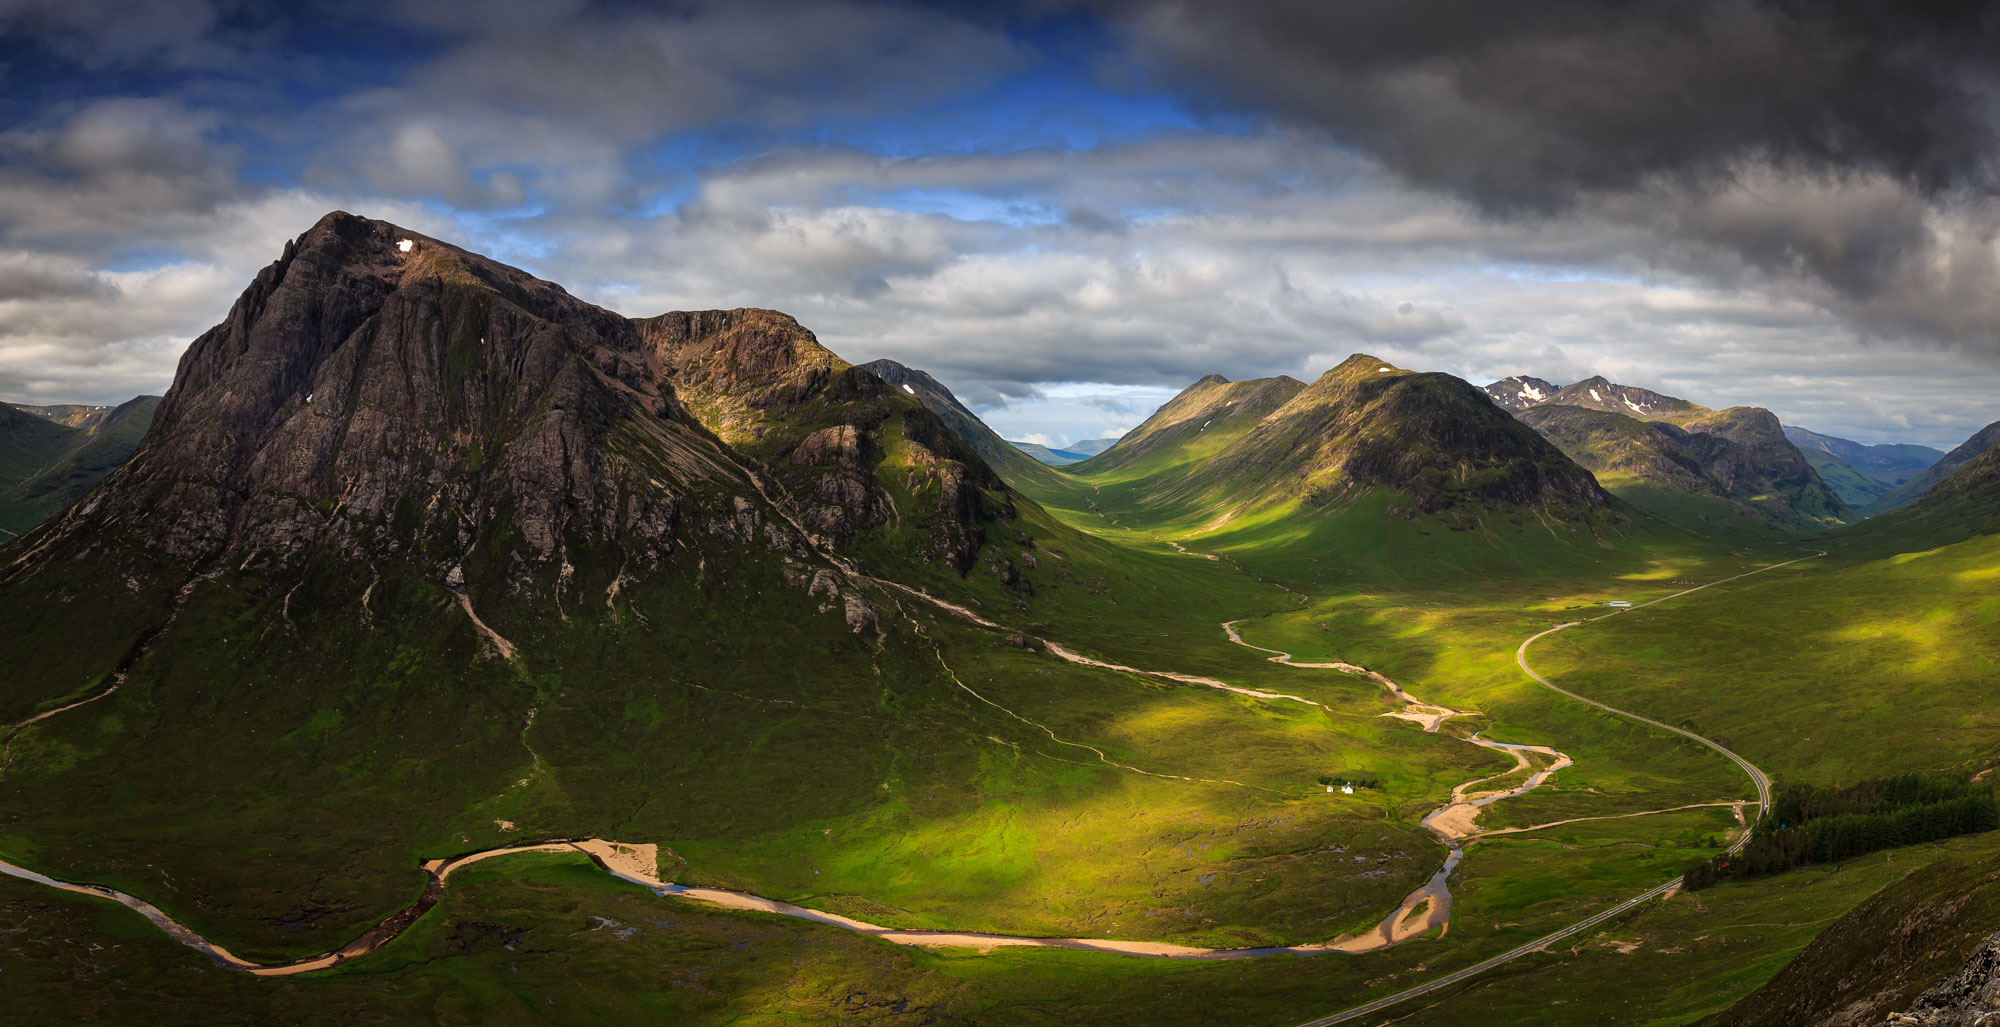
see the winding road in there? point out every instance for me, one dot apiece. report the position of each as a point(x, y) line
point(638, 862)
point(1758, 778)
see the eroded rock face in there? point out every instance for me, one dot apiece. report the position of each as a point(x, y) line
point(1968, 998)
point(860, 614)
point(424, 402)
point(385, 401)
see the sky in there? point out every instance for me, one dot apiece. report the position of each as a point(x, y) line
point(1065, 211)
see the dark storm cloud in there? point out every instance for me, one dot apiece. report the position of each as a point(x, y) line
point(1522, 104)
point(1060, 217)
point(1850, 146)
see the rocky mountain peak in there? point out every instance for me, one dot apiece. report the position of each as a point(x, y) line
point(382, 393)
point(1520, 392)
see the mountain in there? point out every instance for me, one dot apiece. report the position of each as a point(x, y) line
point(1963, 505)
point(1598, 393)
point(71, 415)
point(562, 555)
point(1892, 464)
point(1205, 419)
point(48, 462)
point(1745, 448)
point(1619, 449)
point(1855, 487)
point(1090, 447)
point(27, 445)
point(1739, 456)
point(1369, 470)
point(1914, 489)
point(1913, 946)
point(1070, 454)
point(1051, 457)
point(1520, 392)
point(1005, 457)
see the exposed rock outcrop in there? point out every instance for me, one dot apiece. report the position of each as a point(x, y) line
point(1968, 998)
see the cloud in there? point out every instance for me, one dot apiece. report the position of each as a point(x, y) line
point(1487, 191)
point(1846, 149)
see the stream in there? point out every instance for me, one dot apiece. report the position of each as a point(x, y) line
point(1452, 823)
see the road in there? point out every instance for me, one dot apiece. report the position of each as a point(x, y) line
point(1757, 778)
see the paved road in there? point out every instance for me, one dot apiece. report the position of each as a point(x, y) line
point(1757, 778)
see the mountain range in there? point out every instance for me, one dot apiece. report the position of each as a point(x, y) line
point(50, 456)
point(1074, 453)
point(422, 557)
point(1678, 458)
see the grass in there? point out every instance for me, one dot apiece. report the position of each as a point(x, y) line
point(278, 803)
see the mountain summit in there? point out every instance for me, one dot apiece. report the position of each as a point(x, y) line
point(426, 553)
point(1677, 458)
point(379, 392)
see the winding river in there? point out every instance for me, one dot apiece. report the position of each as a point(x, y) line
point(1453, 824)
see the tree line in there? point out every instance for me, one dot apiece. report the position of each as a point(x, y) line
point(1827, 825)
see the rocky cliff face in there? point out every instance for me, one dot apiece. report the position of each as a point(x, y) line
point(1968, 998)
point(1004, 457)
point(376, 392)
point(1520, 392)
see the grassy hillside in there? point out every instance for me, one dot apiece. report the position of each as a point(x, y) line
point(47, 462)
point(1855, 487)
point(660, 581)
point(1661, 446)
point(97, 449)
point(1915, 488)
point(1884, 953)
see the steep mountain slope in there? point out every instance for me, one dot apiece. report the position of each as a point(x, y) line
point(1369, 470)
point(1855, 487)
point(98, 447)
point(1003, 456)
point(1204, 420)
point(1742, 453)
point(47, 463)
point(27, 445)
point(1878, 959)
point(1959, 507)
point(1520, 392)
point(1745, 449)
point(1894, 463)
point(540, 568)
point(1623, 451)
point(1922, 482)
point(1365, 424)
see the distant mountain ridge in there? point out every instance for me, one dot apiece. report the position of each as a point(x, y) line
point(1062, 456)
point(1005, 457)
point(51, 455)
point(1656, 449)
point(1918, 485)
point(73, 415)
point(1424, 445)
point(1893, 463)
point(1521, 392)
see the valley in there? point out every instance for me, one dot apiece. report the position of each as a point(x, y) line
point(893, 723)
